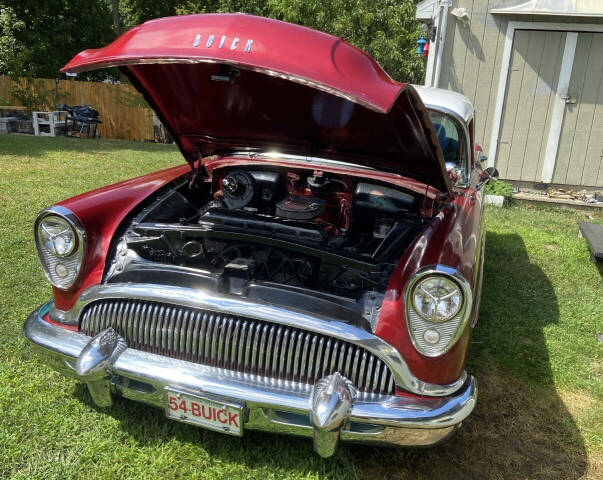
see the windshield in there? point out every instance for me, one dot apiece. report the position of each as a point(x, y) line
point(451, 138)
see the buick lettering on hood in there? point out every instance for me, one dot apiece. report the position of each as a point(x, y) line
point(314, 267)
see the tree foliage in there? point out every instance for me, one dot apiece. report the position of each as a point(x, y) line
point(385, 29)
point(11, 49)
point(37, 37)
point(52, 31)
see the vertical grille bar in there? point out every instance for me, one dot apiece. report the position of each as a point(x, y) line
point(303, 361)
point(276, 354)
point(369, 373)
point(193, 347)
point(208, 320)
point(234, 345)
point(282, 373)
point(241, 355)
point(317, 361)
point(213, 355)
point(293, 348)
point(254, 353)
point(263, 357)
point(248, 344)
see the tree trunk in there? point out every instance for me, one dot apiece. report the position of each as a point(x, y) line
point(116, 21)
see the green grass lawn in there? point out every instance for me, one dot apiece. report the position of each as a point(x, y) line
point(534, 351)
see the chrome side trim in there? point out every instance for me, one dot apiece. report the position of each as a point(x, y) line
point(429, 419)
point(228, 304)
point(464, 313)
point(479, 279)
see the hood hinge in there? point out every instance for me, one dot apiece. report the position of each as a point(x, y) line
point(198, 169)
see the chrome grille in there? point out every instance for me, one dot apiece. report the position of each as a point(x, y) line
point(236, 343)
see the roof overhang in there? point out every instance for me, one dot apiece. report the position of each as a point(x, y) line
point(427, 10)
point(571, 8)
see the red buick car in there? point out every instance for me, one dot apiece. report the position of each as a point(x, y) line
point(313, 269)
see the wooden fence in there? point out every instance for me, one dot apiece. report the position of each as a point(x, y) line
point(117, 104)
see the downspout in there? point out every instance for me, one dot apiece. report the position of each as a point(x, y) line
point(433, 43)
point(430, 60)
point(444, 5)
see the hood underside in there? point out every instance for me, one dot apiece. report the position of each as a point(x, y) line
point(224, 83)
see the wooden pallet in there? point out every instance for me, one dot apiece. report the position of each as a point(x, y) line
point(593, 233)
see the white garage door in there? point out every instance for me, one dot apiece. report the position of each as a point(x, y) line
point(552, 121)
point(580, 154)
point(532, 83)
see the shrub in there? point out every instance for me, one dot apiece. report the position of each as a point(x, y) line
point(499, 187)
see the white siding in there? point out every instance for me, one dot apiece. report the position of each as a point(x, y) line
point(471, 60)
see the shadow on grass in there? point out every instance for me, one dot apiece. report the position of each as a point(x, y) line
point(520, 428)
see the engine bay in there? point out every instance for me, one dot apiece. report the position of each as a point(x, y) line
point(327, 233)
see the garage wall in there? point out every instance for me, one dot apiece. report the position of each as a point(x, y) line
point(472, 58)
point(471, 64)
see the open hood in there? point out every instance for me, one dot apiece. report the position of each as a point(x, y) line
point(232, 82)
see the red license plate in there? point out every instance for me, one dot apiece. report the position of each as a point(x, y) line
point(201, 410)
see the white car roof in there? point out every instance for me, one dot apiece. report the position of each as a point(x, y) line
point(447, 100)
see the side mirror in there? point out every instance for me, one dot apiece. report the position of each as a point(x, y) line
point(488, 174)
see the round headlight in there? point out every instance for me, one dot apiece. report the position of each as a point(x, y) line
point(57, 236)
point(437, 299)
point(60, 241)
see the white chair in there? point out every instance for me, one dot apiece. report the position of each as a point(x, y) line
point(54, 119)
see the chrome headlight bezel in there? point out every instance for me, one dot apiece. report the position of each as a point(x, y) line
point(449, 330)
point(71, 260)
point(444, 282)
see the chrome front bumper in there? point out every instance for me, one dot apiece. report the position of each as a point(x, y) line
point(110, 368)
